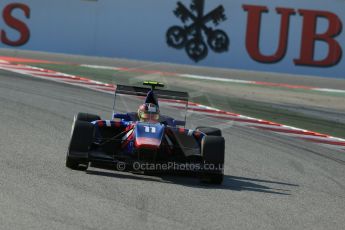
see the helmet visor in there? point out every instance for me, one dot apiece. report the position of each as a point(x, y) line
point(149, 116)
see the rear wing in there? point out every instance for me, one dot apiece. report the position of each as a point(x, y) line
point(142, 91)
point(160, 94)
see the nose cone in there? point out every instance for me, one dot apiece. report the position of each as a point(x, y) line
point(147, 143)
point(148, 135)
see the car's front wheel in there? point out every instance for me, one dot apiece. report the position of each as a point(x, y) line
point(81, 140)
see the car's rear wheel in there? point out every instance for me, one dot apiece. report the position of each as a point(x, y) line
point(210, 131)
point(213, 153)
point(81, 140)
point(87, 117)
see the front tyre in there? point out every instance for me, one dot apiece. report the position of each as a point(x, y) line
point(213, 153)
point(74, 164)
point(81, 140)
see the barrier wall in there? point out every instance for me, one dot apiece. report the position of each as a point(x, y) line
point(294, 36)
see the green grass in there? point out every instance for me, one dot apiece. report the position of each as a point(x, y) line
point(237, 105)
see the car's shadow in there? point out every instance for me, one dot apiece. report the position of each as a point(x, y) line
point(234, 183)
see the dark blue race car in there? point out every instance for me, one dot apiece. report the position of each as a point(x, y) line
point(146, 140)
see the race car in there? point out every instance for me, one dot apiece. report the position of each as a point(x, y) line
point(146, 137)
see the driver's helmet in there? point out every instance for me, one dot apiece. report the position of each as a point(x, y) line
point(148, 112)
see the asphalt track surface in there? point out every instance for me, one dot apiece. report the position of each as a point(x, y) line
point(271, 182)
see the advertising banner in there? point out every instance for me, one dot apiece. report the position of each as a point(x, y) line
point(287, 36)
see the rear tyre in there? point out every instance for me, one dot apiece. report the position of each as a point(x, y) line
point(213, 152)
point(210, 131)
point(81, 140)
point(87, 117)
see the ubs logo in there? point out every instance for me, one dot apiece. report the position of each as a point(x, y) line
point(11, 21)
point(191, 35)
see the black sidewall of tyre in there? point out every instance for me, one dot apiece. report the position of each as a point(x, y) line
point(213, 152)
point(81, 140)
point(213, 149)
point(82, 136)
